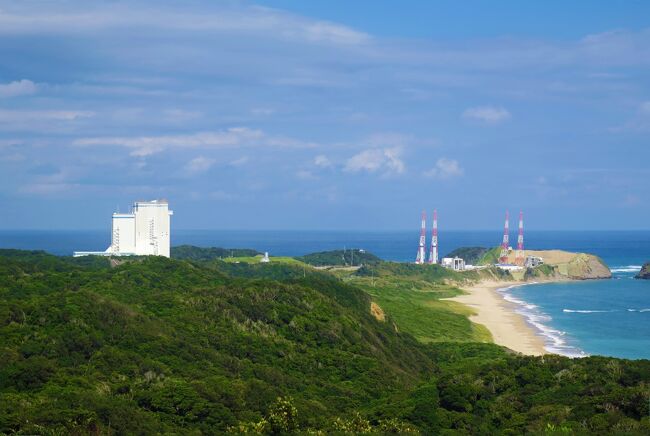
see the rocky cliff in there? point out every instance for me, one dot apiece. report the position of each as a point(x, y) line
point(575, 266)
point(645, 272)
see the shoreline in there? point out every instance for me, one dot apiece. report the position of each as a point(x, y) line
point(508, 327)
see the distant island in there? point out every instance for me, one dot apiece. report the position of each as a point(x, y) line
point(645, 272)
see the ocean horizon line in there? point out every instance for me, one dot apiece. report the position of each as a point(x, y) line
point(396, 230)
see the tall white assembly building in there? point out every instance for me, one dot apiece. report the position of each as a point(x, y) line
point(143, 232)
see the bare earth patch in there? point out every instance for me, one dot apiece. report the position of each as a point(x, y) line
point(377, 312)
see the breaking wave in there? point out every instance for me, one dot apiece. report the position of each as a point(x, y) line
point(628, 268)
point(585, 311)
point(638, 310)
point(555, 341)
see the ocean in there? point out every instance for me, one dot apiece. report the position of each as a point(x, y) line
point(604, 317)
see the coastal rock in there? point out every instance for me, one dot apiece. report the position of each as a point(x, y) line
point(587, 266)
point(644, 273)
point(574, 266)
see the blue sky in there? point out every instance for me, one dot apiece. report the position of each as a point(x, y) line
point(326, 114)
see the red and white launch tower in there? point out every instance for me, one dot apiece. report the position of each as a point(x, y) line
point(503, 258)
point(421, 257)
point(519, 258)
point(433, 254)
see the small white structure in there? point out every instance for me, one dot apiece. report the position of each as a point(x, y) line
point(265, 259)
point(143, 232)
point(455, 263)
point(509, 267)
point(533, 261)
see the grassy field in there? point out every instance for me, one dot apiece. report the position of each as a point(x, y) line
point(413, 297)
point(418, 307)
point(274, 259)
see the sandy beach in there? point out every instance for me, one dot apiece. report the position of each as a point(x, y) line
point(507, 327)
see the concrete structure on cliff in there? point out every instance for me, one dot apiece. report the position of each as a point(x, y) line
point(143, 232)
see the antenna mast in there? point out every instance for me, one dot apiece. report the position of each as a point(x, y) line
point(420, 258)
point(519, 259)
point(433, 254)
point(504, 245)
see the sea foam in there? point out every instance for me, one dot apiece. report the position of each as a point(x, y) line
point(585, 311)
point(627, 268)
point(555, 341)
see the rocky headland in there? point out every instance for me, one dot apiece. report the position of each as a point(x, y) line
point(644, 273)
point(564, 265)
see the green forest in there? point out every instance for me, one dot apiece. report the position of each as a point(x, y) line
point(197, 345)
point(351, 257)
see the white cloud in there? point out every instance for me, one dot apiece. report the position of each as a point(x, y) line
point(180, 115)
point(334, 33)
point(387, 139)
point(487, 114)
point(59, 182)
point(198, 165)
point(631, 200)
point(640, 122)
point(393, 161)
point(372, 160)
point(305, 175)
point(271, 23)
point(262, 111)
point(17, 88)
point(49, 188)
point(239, 162)
point(322, 161)
point(445, 169)
point(222, 195)
point(645, 107)
point(51, 121)
point(230, 138)
point(10, 142)
point(21, 116)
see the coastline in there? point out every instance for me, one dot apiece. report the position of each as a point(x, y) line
point(508, 328)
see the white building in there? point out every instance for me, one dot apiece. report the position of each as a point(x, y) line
point(143, 232)
point(455, 263)
point(509, 267)
point(533, 261)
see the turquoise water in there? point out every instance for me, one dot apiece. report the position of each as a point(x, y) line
point(607, 317)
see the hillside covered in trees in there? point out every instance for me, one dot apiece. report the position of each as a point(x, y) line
point(351, 257)
point(190, 252)
point(470, 255)
point(157, 345)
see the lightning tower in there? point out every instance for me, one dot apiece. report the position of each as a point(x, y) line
point(433, 254)
point(519, 258)
point(421, 257)
point(504, 245)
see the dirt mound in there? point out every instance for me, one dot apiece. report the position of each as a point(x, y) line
point(377, 312)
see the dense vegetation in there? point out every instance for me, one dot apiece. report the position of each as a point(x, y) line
point(470, 255)
point(157, 345)
point(352, 257)
point(190, 252)
point(414, 296)
point(490, 257)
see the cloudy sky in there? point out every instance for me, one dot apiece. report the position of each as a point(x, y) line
point(324, 114)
